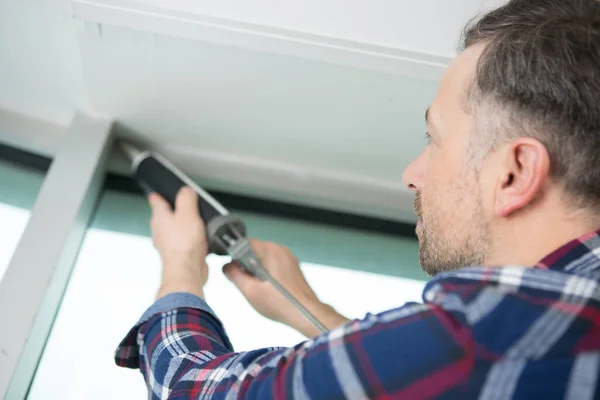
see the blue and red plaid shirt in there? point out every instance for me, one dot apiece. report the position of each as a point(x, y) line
point(489, 333)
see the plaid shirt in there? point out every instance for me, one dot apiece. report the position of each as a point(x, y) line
point(489, 333)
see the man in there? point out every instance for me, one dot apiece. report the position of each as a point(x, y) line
point(510, 179)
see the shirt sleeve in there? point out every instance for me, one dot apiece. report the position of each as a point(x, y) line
point(418, 350)
point(128, 352)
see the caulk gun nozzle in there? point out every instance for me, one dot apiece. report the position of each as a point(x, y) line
point(130, 150)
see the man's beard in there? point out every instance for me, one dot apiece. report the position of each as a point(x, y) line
point(463, 244)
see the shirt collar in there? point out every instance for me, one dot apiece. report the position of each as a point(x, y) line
point(579, 254)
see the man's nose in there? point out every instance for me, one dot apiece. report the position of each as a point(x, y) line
point(414, 173)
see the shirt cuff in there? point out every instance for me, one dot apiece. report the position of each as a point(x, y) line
point(127, 353)
point(176, 300)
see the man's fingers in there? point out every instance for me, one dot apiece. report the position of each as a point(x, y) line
point(236, 274)
point(259, 247)
point(186, 203)
point(159, 205)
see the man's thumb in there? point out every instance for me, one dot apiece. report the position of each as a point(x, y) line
point(236, 274)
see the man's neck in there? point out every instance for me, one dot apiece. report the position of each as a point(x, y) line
point(529, 242)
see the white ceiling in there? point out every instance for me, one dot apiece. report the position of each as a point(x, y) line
point(320, 102)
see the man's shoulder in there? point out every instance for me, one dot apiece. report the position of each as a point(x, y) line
point(518, 311)
point(511, 294)
point(472, 281)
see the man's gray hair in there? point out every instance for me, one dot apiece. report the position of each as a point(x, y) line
point(539, 76)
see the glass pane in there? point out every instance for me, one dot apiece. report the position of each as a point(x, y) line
point(117, 275)
point(19, 187)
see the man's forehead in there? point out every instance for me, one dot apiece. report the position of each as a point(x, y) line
point(455, 83)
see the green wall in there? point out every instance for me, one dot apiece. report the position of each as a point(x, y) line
point(311, 242)
point(19, 186)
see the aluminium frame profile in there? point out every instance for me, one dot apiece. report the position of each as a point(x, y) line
point(38, 273)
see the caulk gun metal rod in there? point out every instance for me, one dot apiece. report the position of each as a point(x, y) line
point(296, 303)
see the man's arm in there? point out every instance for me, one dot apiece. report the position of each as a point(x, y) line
point(179, 236)
point(417, 351)
point(183, 351)
point(181, 242)
point(264, 298)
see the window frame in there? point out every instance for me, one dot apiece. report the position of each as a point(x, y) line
point(86, 153)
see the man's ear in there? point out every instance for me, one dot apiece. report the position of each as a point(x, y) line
point(524, 172)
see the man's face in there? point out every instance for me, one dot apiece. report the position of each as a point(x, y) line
point(453, 226)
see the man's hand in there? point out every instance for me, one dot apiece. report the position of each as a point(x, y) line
point(284, 267)
point(180, 238)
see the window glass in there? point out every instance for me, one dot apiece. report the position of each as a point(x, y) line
point(19, 187)
point(117, 275)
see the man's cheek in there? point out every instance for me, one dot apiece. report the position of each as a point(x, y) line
point(437, 172)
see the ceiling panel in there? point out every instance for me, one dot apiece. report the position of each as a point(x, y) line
point(425, 26)
point(260, 105)
point(40, 73)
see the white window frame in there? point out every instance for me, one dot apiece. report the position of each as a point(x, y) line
point(38, 273)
